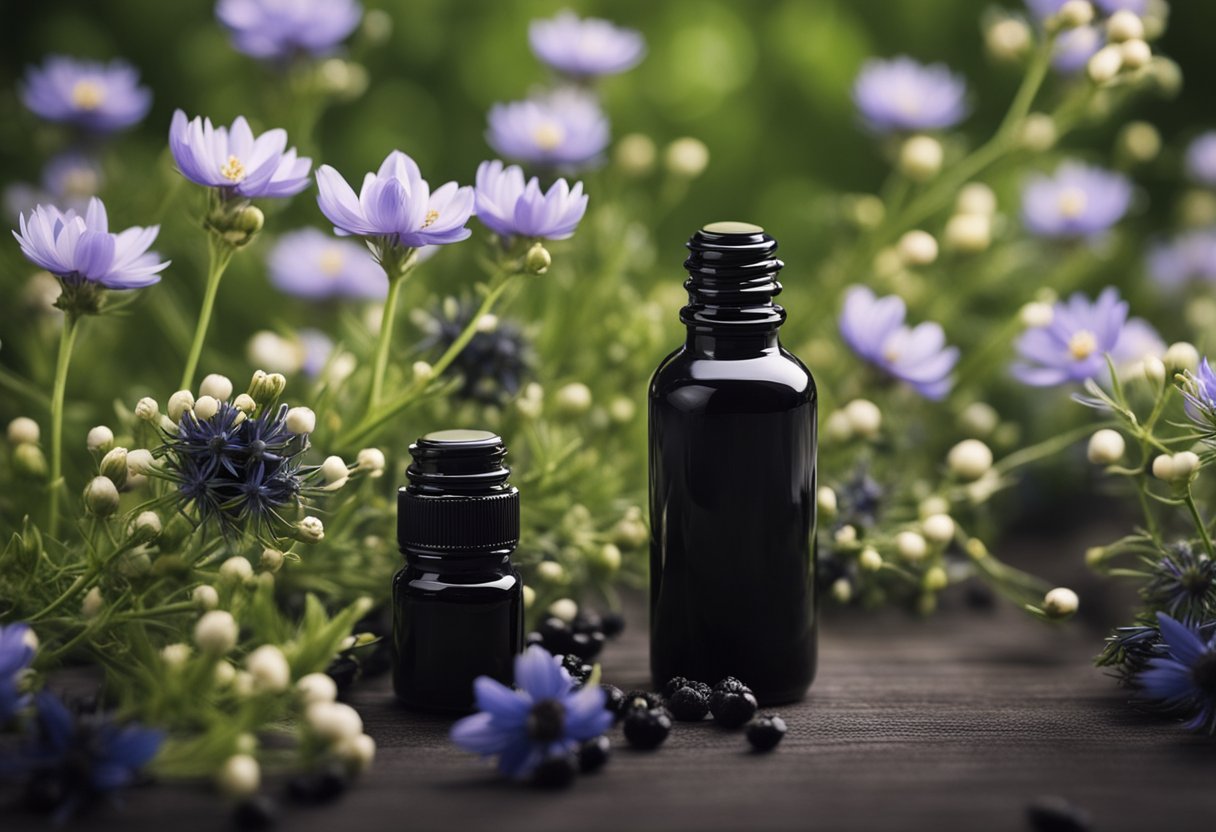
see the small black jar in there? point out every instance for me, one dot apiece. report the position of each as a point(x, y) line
point(458, 609)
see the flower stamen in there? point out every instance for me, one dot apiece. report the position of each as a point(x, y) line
point(88, 94)
point(431, 216)
point(330, 262)
point(233, 170)
point(1082, 344)
point(548, 135)
point(1072, 202)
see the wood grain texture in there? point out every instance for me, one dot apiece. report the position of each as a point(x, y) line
point(948, 724)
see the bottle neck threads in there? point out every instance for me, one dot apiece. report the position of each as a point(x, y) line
point(732, 279)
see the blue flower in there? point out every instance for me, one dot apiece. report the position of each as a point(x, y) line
point(68, 180)
point(311, 264)
point(1137, 7)
point(585, 48)
point(16, 653)
point(1081, 333)
point(494, 364)
point(317, 347)
point(901, 94)
point(272, 29)
point(563, 129)
point(234, 161)
point(1184, 679)
point(91, 95)
point(508, 207)
point(1078, 201)
point(1074, 47)
point(1183, 583)
point(79, 759)
point(396, 205)
point(1189, 257)
point(874, 328)
point(1199, 394)
point(546, 715)
point(81, 250)
point(1201, 159)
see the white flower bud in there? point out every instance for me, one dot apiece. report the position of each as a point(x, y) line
point(423, 371)
point(179, 403)
point(205, 407)
point(1105, 64)
point(240, 776)
point(536, 261)
point(635, 154)
point(968, 233)
point(622, 410)
point(1140, 140)
point(175, 655)
point(316, 687)
point(1135, 54)
point(90, 606)
point(30, 639)
point(333, 721)
point(100, 438)
point(271, 560)
point(236, 569)
point(846, 535)
point(842, 590)
point(938, 528)
point(301, 420)
point(101, 497)
point(1182, 356)
point(865, 419)
point(1036, 314)
point(1075, 13)
point(245, 403)
point(825, 499)
point(550, 571)
point(242, 684)
point(205, 597)
point(911, 546)
point(976, 198)
point(371, 460)
point(140, 461)
point(869, 560)
point(979, 419)
point(529, 596)
point(147, 525)
point(1060, 602)
point(917, 248)
point(1124, 25)
point(269, 668)
point(686, 157)
point(1106, 447)
point(1163, 467)
point(275, 353)
point(357, 752)
point(1038, 132)
point(224, 674)
point(837, 427)
point(23, 430)
point(564, 608)
point(334, 472)
point(310, 530)
point(147, 409)
point(216, 632)
point(217, 386)
point(935, 579)
point(1186, 463)
point(114, 466)
point(920, 158)
point(607, 557)
point(30, 461)
point(574, 398)
point(1007, 39)
point(1153, 369)
point(969, 459)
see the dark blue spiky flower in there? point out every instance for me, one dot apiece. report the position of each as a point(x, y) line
point(493, 366)
point(1183, 584)
point(239, 472)
point(1183, 678)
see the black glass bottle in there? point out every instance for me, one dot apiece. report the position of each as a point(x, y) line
point(732, 480)
point(458, 601)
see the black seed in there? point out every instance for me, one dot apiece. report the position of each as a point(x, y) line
point(555, 772)
point(1055, 814)
point(612, 623)
point(594, 753)
point(647, 729)
point(614, 701)
point(556, 637)
point(587, 622)
point(586, 645)
point(576, 667)
point(261, 811)
point(674, 684)
point(534, 638)
point(320, 786)
point(764, 732)
point(733, 709)
point(688, 704)
point(731, 685)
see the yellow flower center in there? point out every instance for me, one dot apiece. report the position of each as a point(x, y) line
point(80, 182)
point(1072, 203)
point(330, 262)
point(1082, 344)
point(548, 135)
point(233, 170)
point(431, 216)
point(88, 95)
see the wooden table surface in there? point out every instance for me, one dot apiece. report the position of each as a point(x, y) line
point(953, 723)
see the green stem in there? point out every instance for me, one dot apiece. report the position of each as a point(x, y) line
point(219, 253)
point(67, 340)
point(1199, 524)
point(385, 338)
point(1046, 448)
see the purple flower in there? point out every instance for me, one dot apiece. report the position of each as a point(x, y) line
point(1074, 47)
point(1111, 6)
point(87, 94)
point(396, 203)
point(77, 249)
point(1081, 333)
point(1201, 158)
point(16, 653)
point(317, 348)
point(1184, 678)
point(1199, 395)
point(874, 328)
point(1043, 9)
point(585, 48)
point(234, 161)
point(275, 29)
point(901, 94)
point(68, 180)
point(1189, 257)
point(565, 129)
point(508, 207)
point(547, 715)
point(311, 264)
point(1077, 201)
